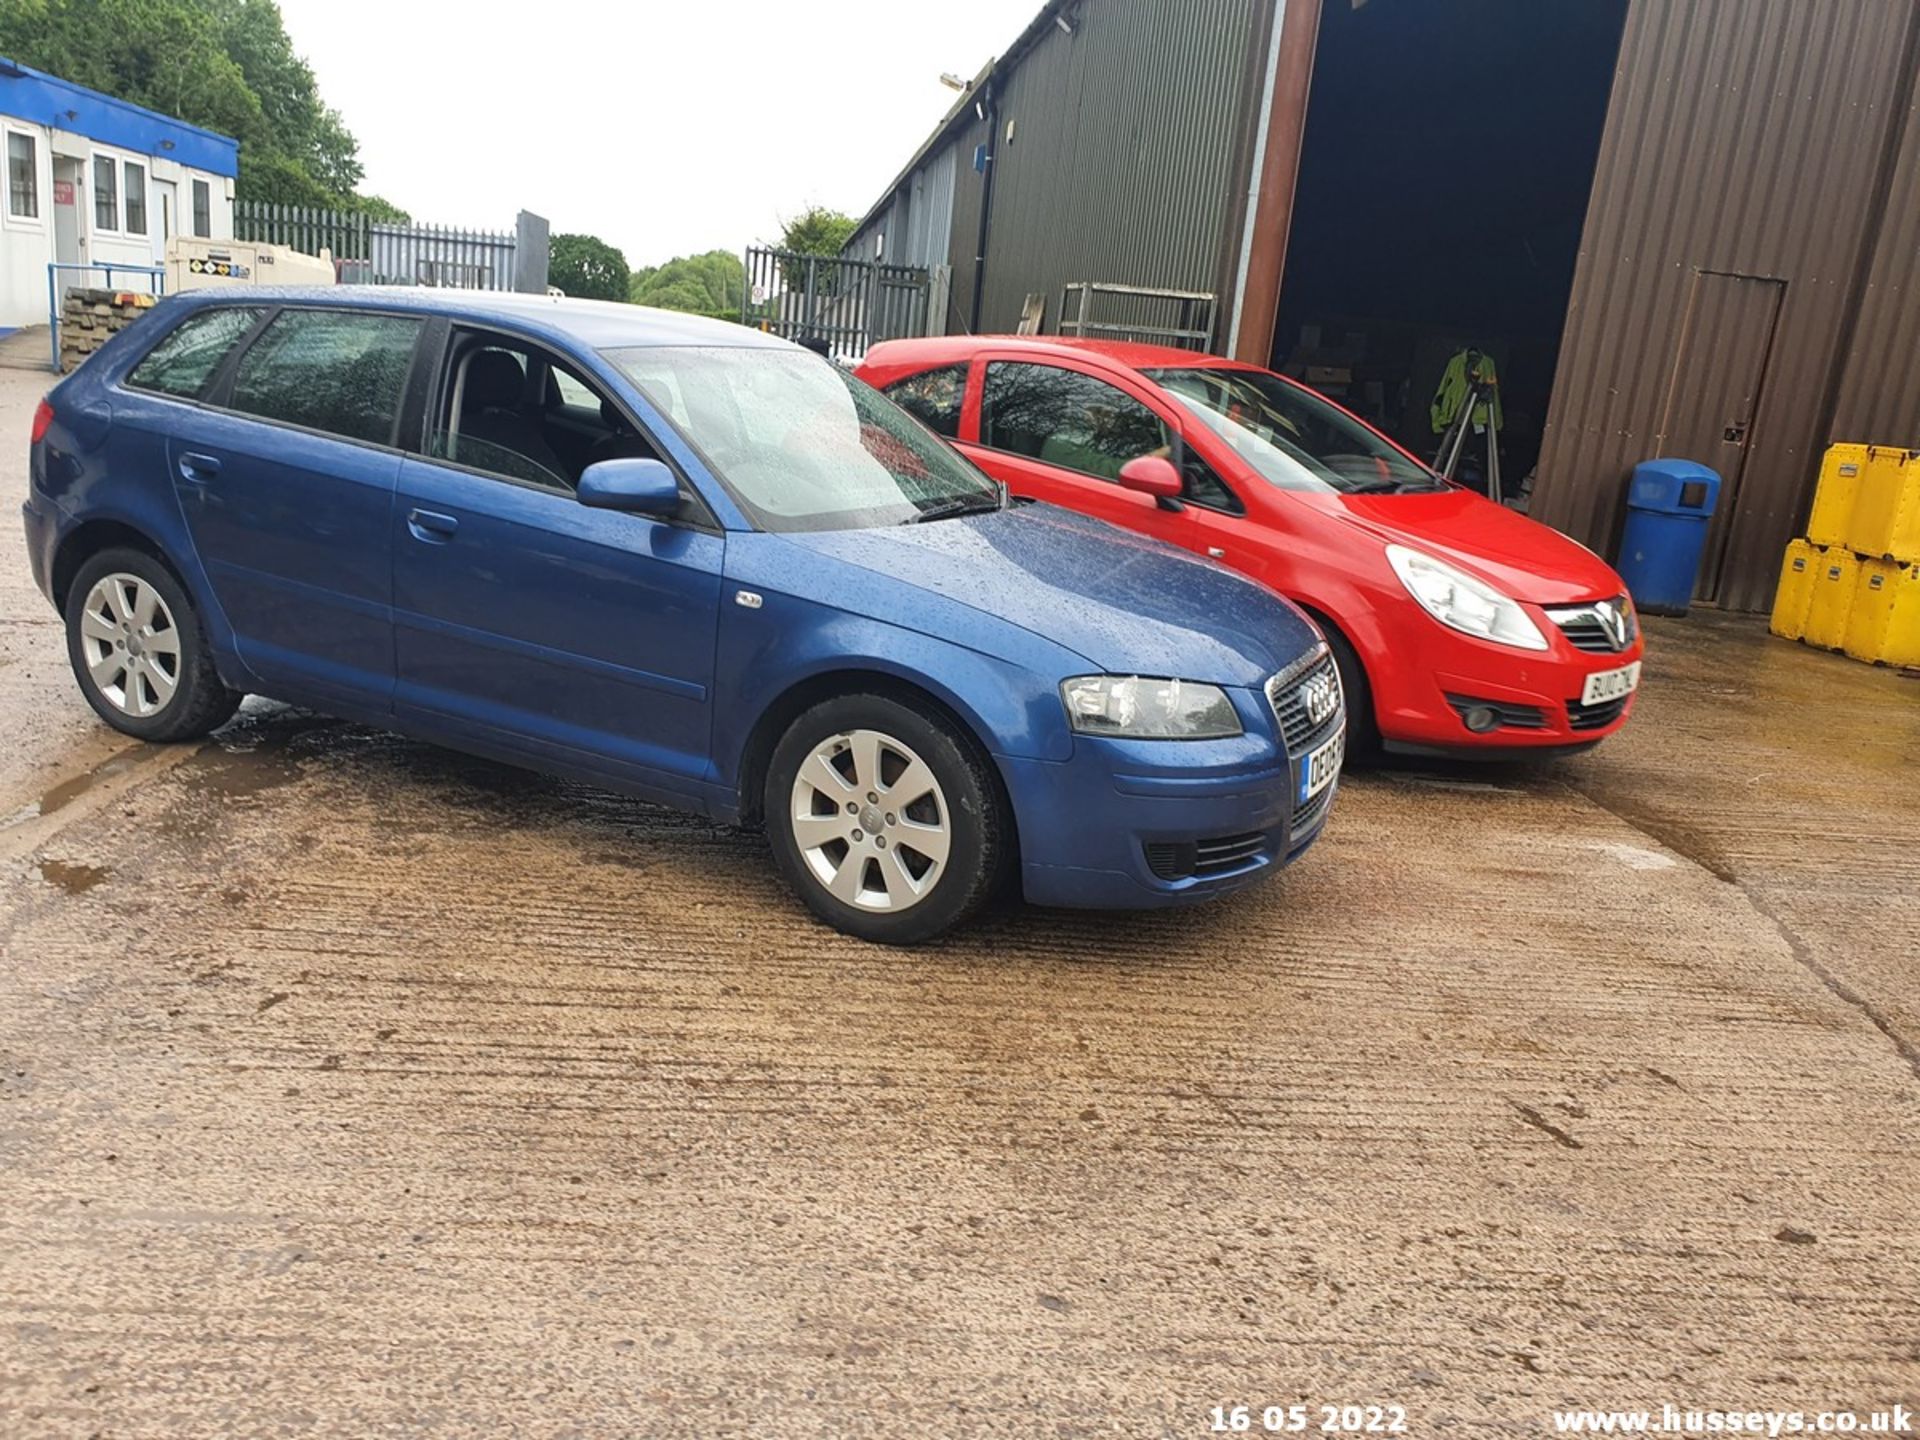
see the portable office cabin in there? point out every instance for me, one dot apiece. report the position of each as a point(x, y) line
point(1684, 227)
point(97, 181)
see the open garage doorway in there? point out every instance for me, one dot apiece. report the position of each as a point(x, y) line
point(1444, 175)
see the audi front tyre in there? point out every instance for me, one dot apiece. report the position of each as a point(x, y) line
point(139, 651)
point(887, 823)
point(1363, 730)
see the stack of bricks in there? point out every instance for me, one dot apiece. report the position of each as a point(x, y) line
point(91, 317)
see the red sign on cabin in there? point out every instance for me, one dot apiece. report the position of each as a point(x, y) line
point(63, 192)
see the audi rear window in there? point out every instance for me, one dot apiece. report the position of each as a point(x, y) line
point(183, 362)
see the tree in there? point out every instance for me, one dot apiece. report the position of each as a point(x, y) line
point(710, 284)
point(818, 231)
point(587, 266)
point(165, 54)
point(377, 208)
point(227, 65)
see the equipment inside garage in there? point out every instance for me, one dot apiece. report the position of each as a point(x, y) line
point(1676, 229)
point(1444, 177)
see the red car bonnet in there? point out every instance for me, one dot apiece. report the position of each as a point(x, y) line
point(1521, 557)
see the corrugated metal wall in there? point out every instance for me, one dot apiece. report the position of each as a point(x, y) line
point(1747, 138)
point(965, 227)
point(1118, 166)
point(929, 212)
point(1879, 399)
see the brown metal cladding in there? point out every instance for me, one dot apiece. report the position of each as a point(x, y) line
point(1745, 137)
point(1879, 395)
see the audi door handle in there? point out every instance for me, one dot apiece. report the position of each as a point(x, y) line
point(1216, 553)
point(431, 526)
point(199, 469)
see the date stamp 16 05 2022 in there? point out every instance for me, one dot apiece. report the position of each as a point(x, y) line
point(1309, 1419)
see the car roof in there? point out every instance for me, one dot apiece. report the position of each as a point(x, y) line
point(598, 324)
point(951, 349)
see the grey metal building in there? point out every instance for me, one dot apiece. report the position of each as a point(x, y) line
point(1682, 227)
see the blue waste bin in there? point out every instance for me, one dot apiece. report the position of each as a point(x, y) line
point(1668, 507)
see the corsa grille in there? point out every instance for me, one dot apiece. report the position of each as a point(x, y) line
point(1595, 717)
point(1605, 627)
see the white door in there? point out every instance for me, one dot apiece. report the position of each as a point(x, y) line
point(67, 195)
point(166, 208)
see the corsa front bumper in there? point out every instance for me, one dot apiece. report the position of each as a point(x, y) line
point(1425, 695)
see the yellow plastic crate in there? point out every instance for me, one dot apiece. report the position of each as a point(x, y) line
point(1883, 625)
point(1886, 512)
point(1790, 601)
point(1834, 497)
point(1834, 581)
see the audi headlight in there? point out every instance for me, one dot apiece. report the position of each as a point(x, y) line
point(1459, 601)
point(1138, 708)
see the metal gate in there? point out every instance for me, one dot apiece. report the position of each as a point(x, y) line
point(1138, 312)
point(374, 252)
point(848, 305)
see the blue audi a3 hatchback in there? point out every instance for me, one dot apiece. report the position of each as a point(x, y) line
point(680, 559)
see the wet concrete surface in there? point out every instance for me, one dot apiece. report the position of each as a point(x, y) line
point(349, 1086)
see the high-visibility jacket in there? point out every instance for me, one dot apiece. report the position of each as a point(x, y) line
point(1452, 393)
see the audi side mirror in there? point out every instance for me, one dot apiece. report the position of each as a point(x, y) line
point(642, 487)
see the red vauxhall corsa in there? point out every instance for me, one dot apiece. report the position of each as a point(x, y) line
point(1459, 626)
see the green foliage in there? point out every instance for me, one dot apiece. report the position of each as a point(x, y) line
point(586, 266)
point(281, 180)
point(379, 209)
point(710, 284)
point(299, 124)
point(165, 54)
point(817, 231)
point(227, 65)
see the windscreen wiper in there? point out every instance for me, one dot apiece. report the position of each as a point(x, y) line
point(960, 505)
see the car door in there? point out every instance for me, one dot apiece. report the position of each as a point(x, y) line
point(529, 620)
point(285, 477)
point(936, 398)
point(1060, 434)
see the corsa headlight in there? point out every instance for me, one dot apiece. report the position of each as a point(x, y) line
point(1139, 708)
point(1459, 601)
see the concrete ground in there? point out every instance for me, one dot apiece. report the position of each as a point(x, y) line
point(352, 1087)
point(28, 348)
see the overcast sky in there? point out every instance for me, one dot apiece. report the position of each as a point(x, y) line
point(664, 128)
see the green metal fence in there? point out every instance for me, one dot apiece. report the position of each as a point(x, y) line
point(306, 228)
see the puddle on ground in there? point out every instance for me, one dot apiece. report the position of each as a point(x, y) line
point(257, 752)
point(58, 797)
point(72, 876)
point(234, 774)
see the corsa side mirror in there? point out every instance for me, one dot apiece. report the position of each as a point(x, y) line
point(1153, 475)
